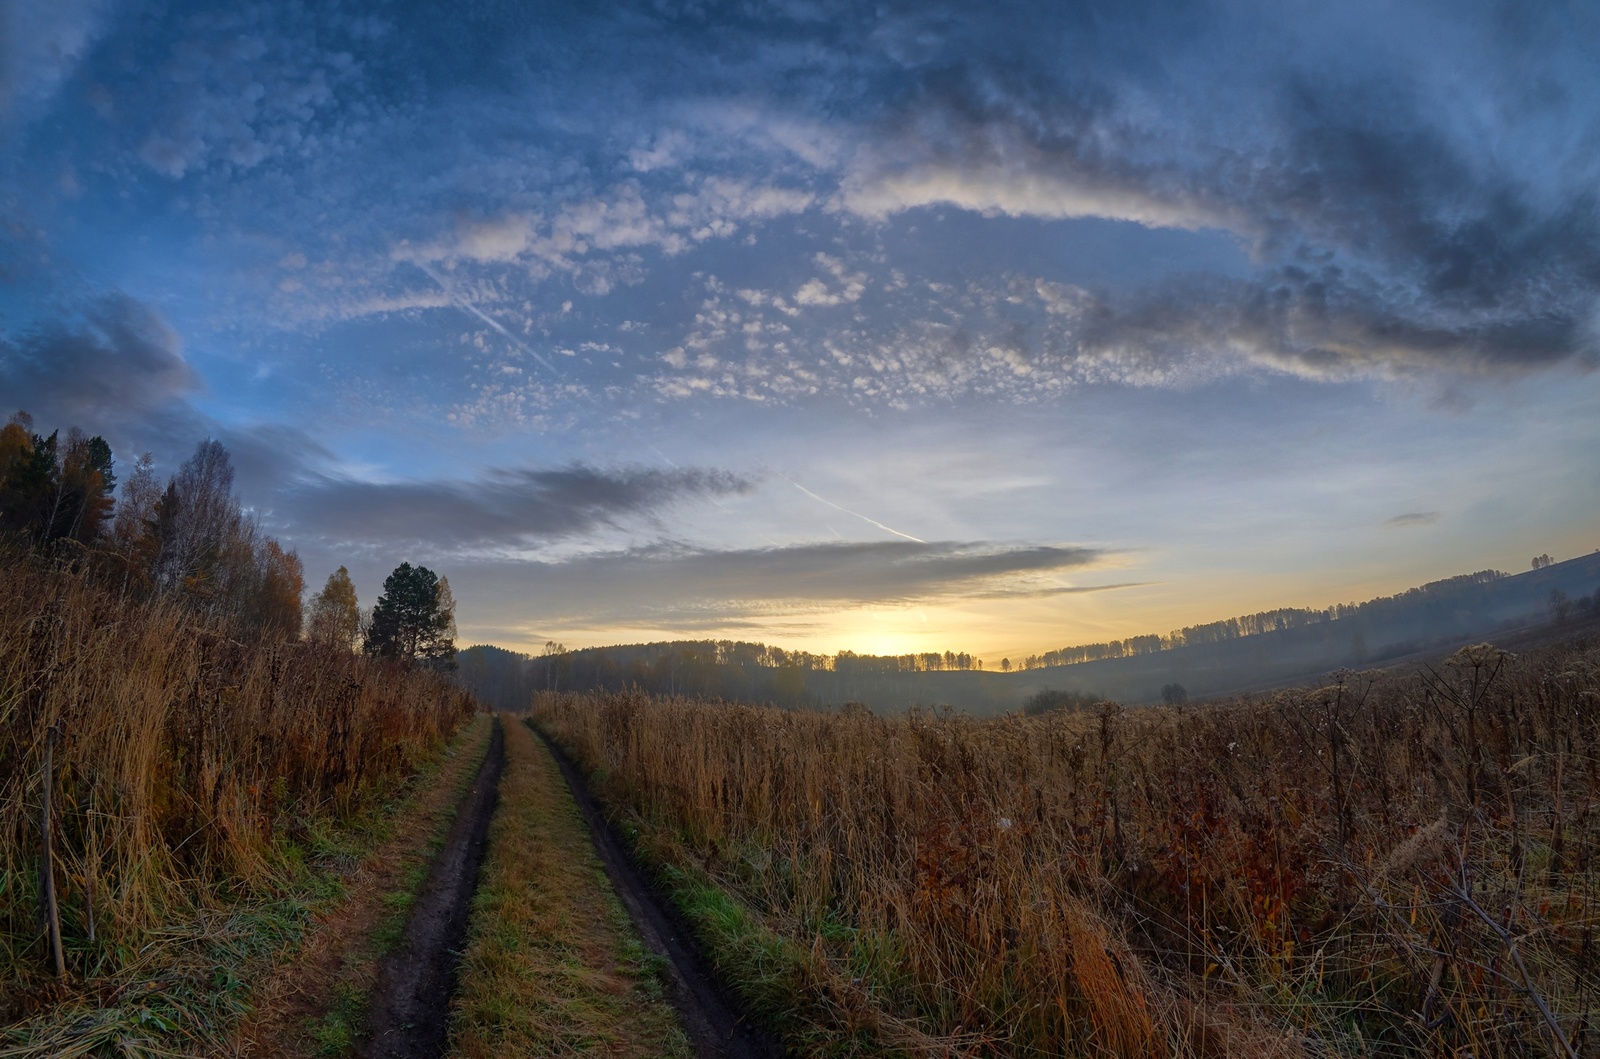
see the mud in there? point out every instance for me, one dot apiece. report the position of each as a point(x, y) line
point(409, 1015)
point(709, 1015)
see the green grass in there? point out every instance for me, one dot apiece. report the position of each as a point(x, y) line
point(815, 1002)
point(183, 993)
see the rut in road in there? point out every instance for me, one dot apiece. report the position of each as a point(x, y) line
point(409, 1016)
point(709, 1017)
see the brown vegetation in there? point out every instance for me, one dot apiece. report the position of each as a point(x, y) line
point(552, 966)
point(316, 1002)
point(1390, 864)
point(187, 767)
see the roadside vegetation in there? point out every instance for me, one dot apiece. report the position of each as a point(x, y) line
point(194, 781)
point(553, 965)
point(314, 999)
point(1390, 864)
point(184, 776)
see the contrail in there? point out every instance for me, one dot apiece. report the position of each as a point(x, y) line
point(847, 511)
point(467, 306)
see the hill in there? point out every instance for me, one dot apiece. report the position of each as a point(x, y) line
point(1248, 652)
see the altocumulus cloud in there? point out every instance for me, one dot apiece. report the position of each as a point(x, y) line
point(1387, 240)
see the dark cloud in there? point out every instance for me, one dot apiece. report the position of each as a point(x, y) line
point(691, 583)
point(116, 365)
point(270, 457)
point(506, 507)
point(1413, 518)
point(1328, 324)
point(1389, 235)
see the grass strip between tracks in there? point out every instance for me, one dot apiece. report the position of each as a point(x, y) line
point(553, 965)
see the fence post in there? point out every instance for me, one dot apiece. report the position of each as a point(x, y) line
point(47, 869)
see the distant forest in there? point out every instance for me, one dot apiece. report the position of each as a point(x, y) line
point(1210, 659)
point(1403, 607)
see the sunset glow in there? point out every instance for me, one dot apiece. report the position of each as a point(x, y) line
point(918, 327)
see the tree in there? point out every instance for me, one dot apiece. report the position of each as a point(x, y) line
point(413, 620)
point(84, 483)
point(51, 493)
point(1542, 561)
point(275, 611)
point(1560, 605)
point(1174, 694)
point(198, 518)
point(440, 651)
point(335, 616)
point(134, 537)
point(556, 663)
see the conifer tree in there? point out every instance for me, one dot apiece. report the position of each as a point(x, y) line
point(408, 621)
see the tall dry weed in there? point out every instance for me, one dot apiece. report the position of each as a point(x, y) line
point(1386, 865)
point(183, 756)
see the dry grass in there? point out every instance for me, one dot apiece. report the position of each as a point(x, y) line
point(553, 966)
point(313, 1001)
point(192, 776)
point(1388, 865)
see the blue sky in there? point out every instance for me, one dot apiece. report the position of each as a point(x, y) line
point(992, 327)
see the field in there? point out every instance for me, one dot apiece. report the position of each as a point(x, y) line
point(1391, 864)
point(201, 789)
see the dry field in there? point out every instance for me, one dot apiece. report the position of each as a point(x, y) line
point(192, 776)
point(1394, 864)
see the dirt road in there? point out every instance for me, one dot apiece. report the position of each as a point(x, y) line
point(410, 1012)
point(709, 1017)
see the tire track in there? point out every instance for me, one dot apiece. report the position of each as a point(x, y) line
point(709, 1016)
point(409, 1016)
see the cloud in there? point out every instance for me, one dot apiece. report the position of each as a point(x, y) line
point(1326, 324)
point(270, 457)
point(115, 364)
point(1413, 518)
point(847, 286)
point(41, 45)
point(675, 581)
point(626, 217)
point(234, 90)
point(1388, 238)
point(1373, 224)
point(503, 508)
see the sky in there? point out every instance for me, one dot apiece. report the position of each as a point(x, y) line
point(992, 327)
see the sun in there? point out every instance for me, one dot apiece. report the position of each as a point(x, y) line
point(883, 632)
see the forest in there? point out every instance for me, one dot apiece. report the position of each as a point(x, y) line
point(1209, 659)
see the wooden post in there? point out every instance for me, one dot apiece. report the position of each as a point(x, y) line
point(47, 869)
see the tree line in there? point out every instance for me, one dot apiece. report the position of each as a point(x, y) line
point(1401, 606)
point(190, 540)
point(731, 669)
point(746, 654)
